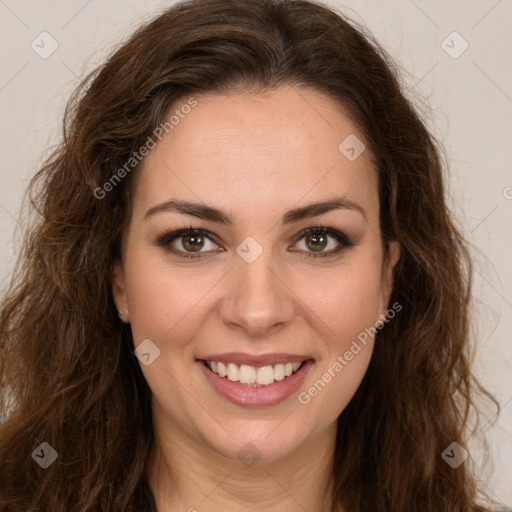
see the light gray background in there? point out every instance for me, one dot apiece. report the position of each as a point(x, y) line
point(470, 102)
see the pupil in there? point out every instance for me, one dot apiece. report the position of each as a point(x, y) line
point(195, 240)
point(192, 241)
point(317, 237)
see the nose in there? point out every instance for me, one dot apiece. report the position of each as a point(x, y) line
point(258, 300)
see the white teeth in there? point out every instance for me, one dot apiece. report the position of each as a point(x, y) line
point(221, 369)
point(250, 375)
point(232, 372)
point(247, 374)
point(279, 372)
point(265, 375)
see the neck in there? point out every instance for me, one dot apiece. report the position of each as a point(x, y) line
point(185, 474)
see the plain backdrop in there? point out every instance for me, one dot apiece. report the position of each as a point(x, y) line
point(455, 55)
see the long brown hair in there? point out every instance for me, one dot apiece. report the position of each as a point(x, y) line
point(68, 373)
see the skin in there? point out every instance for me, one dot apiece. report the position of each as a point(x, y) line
point(256, 157)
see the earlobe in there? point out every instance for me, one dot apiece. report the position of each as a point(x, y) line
point(393, 253)
point(119, 292)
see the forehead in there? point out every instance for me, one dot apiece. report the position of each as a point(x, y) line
point(257, 150)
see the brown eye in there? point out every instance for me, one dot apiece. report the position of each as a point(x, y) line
point(193, 242)
point(316, 241)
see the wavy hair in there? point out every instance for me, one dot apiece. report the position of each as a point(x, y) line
point(68, 373)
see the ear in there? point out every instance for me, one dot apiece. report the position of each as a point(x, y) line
point(119, 292)
point(392, 258)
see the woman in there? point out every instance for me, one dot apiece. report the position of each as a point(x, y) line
point(244, 288)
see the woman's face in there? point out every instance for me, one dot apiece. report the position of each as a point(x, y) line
point(259, 296)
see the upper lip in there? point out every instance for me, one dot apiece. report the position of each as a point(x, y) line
point(255, 360)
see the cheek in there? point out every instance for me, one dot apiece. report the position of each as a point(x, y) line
point(169, 302)
point(177, 309)
point(346, 300)
point(166, 302)
point(347, 310)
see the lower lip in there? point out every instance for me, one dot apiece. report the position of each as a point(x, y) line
point(256, 396)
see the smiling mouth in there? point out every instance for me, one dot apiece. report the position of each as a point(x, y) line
point(252, 376)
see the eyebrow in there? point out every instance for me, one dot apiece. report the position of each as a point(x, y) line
point(210, 213)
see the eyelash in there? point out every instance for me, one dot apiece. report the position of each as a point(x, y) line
point(165, 239)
